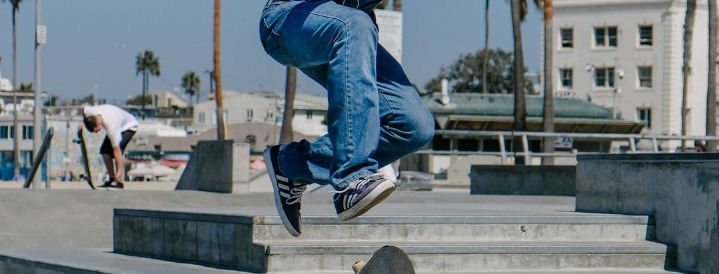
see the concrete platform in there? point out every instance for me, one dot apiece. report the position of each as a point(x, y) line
point(73, 228)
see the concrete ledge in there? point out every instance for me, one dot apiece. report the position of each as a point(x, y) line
point(217, 166)
point(680, 190)
point(523, 180)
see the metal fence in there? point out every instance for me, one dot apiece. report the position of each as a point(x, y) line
point(631, 139)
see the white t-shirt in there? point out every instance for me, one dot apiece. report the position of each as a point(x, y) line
point(115, 121)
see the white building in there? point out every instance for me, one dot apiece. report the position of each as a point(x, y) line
point(626, 55)
point(264, 107)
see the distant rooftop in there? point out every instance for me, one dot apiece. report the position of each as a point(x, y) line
point(494, 112)
point(503, 105)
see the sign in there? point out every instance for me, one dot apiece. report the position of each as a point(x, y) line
point(41, 33)
point(390, 31)
point(563, 142)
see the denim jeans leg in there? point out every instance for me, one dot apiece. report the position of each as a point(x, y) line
point(406, 123)
point(345, 40)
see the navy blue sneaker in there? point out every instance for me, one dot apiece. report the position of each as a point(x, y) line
point(288, 194)
point(361, 195)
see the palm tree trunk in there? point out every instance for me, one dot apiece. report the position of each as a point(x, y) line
point(221, 130)
point(520, 106)
point(548, 122)
point(711, 126)
point(16, 125)
point(686, 70)
point(286, 133)
point(145, 86)
point(397, 5)
point(486, 47)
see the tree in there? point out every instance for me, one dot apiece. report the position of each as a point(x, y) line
point(191, 84)
point(485, 61)
point(221, 134)
point(139, 100)
point(711, 126)
point(16, 136)
point(146, 64)
point(686, 69)
point(51, 101)
point(548, 119)
point(519, 11)
point(26, 88)
point(466, 74)
point(287, 132)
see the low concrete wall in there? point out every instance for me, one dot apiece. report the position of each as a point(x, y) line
point(523, 180)
point(681, 191)
point(217, 166)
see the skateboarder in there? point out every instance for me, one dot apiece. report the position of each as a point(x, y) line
point(119, 127)
point(375, 116)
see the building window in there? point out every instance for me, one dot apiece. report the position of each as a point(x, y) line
point(645, 77)
point(604, 77)
point(309, 115)
point(605, 37)
point(644, 115)
point(250, 114)
point(567, 38)
point(566, 76)
point(645, 36)
point(4, 132)
point(27, 132)
point(201, 117)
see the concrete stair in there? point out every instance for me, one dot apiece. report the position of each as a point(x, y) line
point(561, 243)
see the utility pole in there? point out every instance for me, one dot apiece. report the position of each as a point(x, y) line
point(40, 39)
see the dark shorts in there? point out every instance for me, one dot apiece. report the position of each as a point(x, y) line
point(106, 147)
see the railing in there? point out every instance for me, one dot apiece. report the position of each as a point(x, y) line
point(632, 140)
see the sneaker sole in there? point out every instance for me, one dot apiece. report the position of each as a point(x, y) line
point(381, 192)
point(278, 201)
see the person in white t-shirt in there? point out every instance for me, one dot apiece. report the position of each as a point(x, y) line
point(119, 127)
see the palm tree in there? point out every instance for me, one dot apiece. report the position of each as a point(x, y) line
point(147, 64)
point(221, 132)
point(287, 132)
point(519, 10)
point(191, 84)
point(397, 5)
point(486, 46)
point(548, 121)
point(25, 88)
point(686, 70)
point(711, 126)
point(16, 135)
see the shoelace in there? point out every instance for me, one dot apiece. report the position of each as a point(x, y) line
point(296, 193)
point(360, 184)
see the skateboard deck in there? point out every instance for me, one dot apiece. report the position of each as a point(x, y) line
point(85, 161)
point(387, 260)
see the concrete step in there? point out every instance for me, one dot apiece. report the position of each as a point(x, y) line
point(437, 244)
point(589, 227)
point(93, 261)
point(464, 257)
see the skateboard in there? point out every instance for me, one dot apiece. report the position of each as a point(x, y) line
point(85, 162)
point(386, 260)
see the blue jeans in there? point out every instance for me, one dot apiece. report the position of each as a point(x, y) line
point(375, 116)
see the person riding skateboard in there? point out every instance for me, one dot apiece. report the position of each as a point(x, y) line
point(119, 127)
point(375, 116)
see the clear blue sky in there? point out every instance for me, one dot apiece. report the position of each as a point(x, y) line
point(91, 45)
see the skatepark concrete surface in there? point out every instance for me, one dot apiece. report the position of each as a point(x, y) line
point(73, 224)
point(82, 218)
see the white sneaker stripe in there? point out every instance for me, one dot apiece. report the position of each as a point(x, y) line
point(282, 178)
